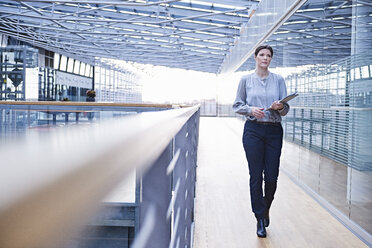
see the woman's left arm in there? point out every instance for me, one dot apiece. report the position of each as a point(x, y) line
point(282, 94)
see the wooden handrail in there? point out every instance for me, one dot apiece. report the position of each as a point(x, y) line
point(67, 103)
point(49, 186)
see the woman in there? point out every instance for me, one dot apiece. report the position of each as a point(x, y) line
point(258, 99)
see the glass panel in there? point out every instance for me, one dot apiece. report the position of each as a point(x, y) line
point(63, 63)
point(360, 186)
point(328, 130)
point(70, 65)
point(82, 68)
point(56, 60)
point(87, 70)
point(77, 67)
point(116, 85)
point(365, 72)
point(267, 15)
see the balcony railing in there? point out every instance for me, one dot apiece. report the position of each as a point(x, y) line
point(53, 183)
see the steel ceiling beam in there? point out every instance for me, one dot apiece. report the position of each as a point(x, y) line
point(126, 20)
point(117, 3)
point(199, 34)
point(239, 3)
point(166, 27)
point(114, 11)
point(323, 19)
point(224, 28)
point(50, 31)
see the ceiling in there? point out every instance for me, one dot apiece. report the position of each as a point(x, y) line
point(320, 32)
point(194, 35)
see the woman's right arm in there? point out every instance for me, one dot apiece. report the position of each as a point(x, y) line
point(240, 105)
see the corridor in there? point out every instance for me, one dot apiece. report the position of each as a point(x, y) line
point(223, 216)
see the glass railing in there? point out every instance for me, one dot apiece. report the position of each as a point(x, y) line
point(329, 130)
point(17, 118)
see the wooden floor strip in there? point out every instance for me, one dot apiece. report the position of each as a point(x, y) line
point(223, 216)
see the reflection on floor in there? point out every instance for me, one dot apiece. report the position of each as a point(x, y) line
point(223, 216)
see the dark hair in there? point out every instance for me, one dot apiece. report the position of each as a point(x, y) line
point(259, 48)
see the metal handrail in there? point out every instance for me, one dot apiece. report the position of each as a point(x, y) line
point(52, 184)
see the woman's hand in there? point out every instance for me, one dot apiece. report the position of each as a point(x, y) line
point(258, 112)
point(277, 105)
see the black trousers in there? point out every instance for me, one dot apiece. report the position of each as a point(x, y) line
point(262, 145)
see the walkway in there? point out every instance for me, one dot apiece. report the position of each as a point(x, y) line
point(223, 216)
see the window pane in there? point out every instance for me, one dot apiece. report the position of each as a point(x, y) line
point(352, 72)
point(87, 70)
point(70, 65)
point(82, 68)
point(357, 73)
point(77, 67)
point(63, 63)
point(365, 73)
point(56, 60)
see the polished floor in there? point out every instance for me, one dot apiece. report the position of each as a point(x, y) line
point(223, 216)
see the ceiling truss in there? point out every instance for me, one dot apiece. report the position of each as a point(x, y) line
point(318, 27)
point(189, 34)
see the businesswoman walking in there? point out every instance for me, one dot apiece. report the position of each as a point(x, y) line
point(258, 99)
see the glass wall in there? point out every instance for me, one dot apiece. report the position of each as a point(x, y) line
point(329, 126)
point(115, 84)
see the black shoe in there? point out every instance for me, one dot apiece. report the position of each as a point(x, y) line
point(267, 218)
point(261, 231)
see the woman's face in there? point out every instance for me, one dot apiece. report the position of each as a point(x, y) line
point(263, 58)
